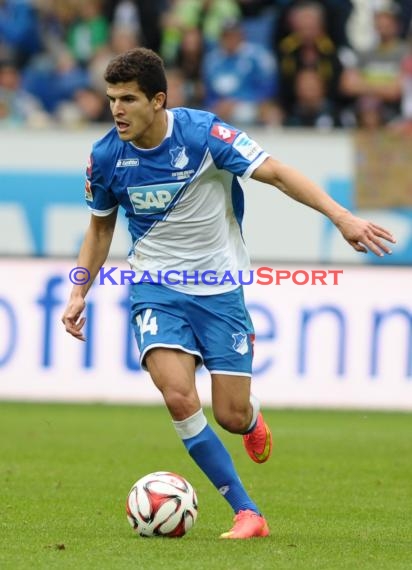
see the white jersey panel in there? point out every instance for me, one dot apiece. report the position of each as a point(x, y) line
point(200, 234)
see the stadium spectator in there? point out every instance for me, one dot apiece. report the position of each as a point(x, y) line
point(207, 16)
point(404, 122)
point(378, 73)
point(92, 105)
point(87, 106)
point(335, 16)
point(240, 79)
point(369, 113)
point(179, 90)
point(55, 17)
point(189, 59)
point(122, 38)
point(311, 107)
point(146, 14)
point(124, 14)
point(19, 108)
point(19, 31)
point(309, 46)
point(54, 80)
point(89, 32)
point(258, 17)
point(360, 28)
point(308, 34)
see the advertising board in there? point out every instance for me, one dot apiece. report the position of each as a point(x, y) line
point(346, 343)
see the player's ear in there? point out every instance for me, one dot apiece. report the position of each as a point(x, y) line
point(159, 100)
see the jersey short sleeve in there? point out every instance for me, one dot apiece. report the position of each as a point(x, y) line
point(233, 150)
point(99, 198)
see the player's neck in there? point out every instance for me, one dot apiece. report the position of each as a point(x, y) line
point(155, 134)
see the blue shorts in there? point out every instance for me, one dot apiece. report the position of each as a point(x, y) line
point(216, 329)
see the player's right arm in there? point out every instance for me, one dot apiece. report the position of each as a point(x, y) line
point(93, 253)
point(98, 238)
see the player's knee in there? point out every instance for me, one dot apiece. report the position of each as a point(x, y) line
point(233, 421)
point(181, 404)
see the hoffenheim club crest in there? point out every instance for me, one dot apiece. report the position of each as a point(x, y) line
point(240, 343)
point(179, 157)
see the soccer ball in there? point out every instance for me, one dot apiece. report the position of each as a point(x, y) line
point(162, 504)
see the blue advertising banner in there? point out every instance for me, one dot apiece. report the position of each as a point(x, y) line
point(43, 211)
point(50, 217)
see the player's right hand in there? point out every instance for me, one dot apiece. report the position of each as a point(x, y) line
point(72, 319)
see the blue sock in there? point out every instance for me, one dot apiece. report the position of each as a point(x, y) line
point(211, 456)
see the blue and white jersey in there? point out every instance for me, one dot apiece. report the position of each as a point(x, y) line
point(183, 199)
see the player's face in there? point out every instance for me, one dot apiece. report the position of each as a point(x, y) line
point(135, 116)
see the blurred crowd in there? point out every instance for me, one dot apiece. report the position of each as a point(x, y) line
point(293, 63)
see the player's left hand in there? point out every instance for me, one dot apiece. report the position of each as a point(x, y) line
point(364, 236)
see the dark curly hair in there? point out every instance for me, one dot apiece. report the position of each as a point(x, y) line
point(141, 65)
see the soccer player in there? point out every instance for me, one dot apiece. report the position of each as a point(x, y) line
point(175, 173)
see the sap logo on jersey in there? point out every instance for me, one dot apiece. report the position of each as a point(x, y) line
point(154, 198)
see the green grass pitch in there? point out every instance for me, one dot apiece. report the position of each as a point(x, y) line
point(337, 491)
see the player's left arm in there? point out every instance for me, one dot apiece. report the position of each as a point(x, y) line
point(361, 234)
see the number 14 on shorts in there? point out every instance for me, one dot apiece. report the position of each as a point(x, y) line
point(147, 323)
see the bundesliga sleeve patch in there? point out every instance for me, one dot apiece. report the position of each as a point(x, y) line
point(88, 194)
point(247, 147)
point(223, 133)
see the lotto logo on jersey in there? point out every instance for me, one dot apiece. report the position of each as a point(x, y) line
point(126, 162)
point(154, 198)
point(223, 133)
